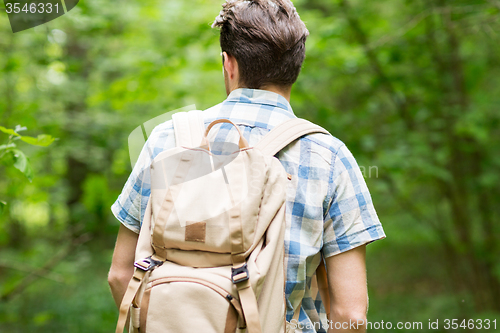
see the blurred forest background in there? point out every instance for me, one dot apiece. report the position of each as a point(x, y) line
point(412, 88)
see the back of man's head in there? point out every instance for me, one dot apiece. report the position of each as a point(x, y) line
point(267, 39)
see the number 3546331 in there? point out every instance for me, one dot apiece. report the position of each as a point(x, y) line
point(470, 324)
point(31, 8)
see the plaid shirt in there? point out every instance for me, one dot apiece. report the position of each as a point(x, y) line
point(328, 209)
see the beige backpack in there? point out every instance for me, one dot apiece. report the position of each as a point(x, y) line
point(211, 247)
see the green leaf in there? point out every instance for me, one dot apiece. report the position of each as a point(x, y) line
point(7, 158)
point(43, 140)
point(22, 163)
point(8, 131)
point(2, 206)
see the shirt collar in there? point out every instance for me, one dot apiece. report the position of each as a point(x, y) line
point(258, 96)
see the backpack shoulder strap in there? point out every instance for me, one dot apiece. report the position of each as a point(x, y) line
point(285, 133)
point(188, 128)
point(274, 141)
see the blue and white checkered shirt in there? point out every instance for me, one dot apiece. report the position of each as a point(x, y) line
point(328, 210)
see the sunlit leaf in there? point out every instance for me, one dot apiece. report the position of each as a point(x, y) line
point(43, 140)
point(8, 131)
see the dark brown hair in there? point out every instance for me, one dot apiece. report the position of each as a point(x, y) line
point(267, 39)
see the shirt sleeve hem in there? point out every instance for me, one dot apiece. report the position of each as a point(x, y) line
point(115, 209)
point(332, 248)
point(128, 226)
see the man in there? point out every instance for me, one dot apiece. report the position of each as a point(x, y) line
point(329, 209)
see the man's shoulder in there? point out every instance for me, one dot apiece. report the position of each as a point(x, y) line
point(321, 146)
point(326, 142)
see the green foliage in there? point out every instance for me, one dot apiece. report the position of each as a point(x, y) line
point(9, 155)
point(43, 140)
point(411, 87)
point(69, 299)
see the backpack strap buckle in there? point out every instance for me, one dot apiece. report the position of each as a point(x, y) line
point(239, 273)
point(147, 264)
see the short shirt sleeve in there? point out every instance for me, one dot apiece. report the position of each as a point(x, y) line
point(131, 204)
point(351, 220)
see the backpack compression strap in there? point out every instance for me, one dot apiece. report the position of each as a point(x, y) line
point(188, 128)
point(285, 133)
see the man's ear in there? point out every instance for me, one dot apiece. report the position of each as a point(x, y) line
point(230, 65)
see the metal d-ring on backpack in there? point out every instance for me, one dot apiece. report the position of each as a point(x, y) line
point(210, 251)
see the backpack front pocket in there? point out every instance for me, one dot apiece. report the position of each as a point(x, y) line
point(187, 304)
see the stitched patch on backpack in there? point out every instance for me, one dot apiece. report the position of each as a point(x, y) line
point(195, 231)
